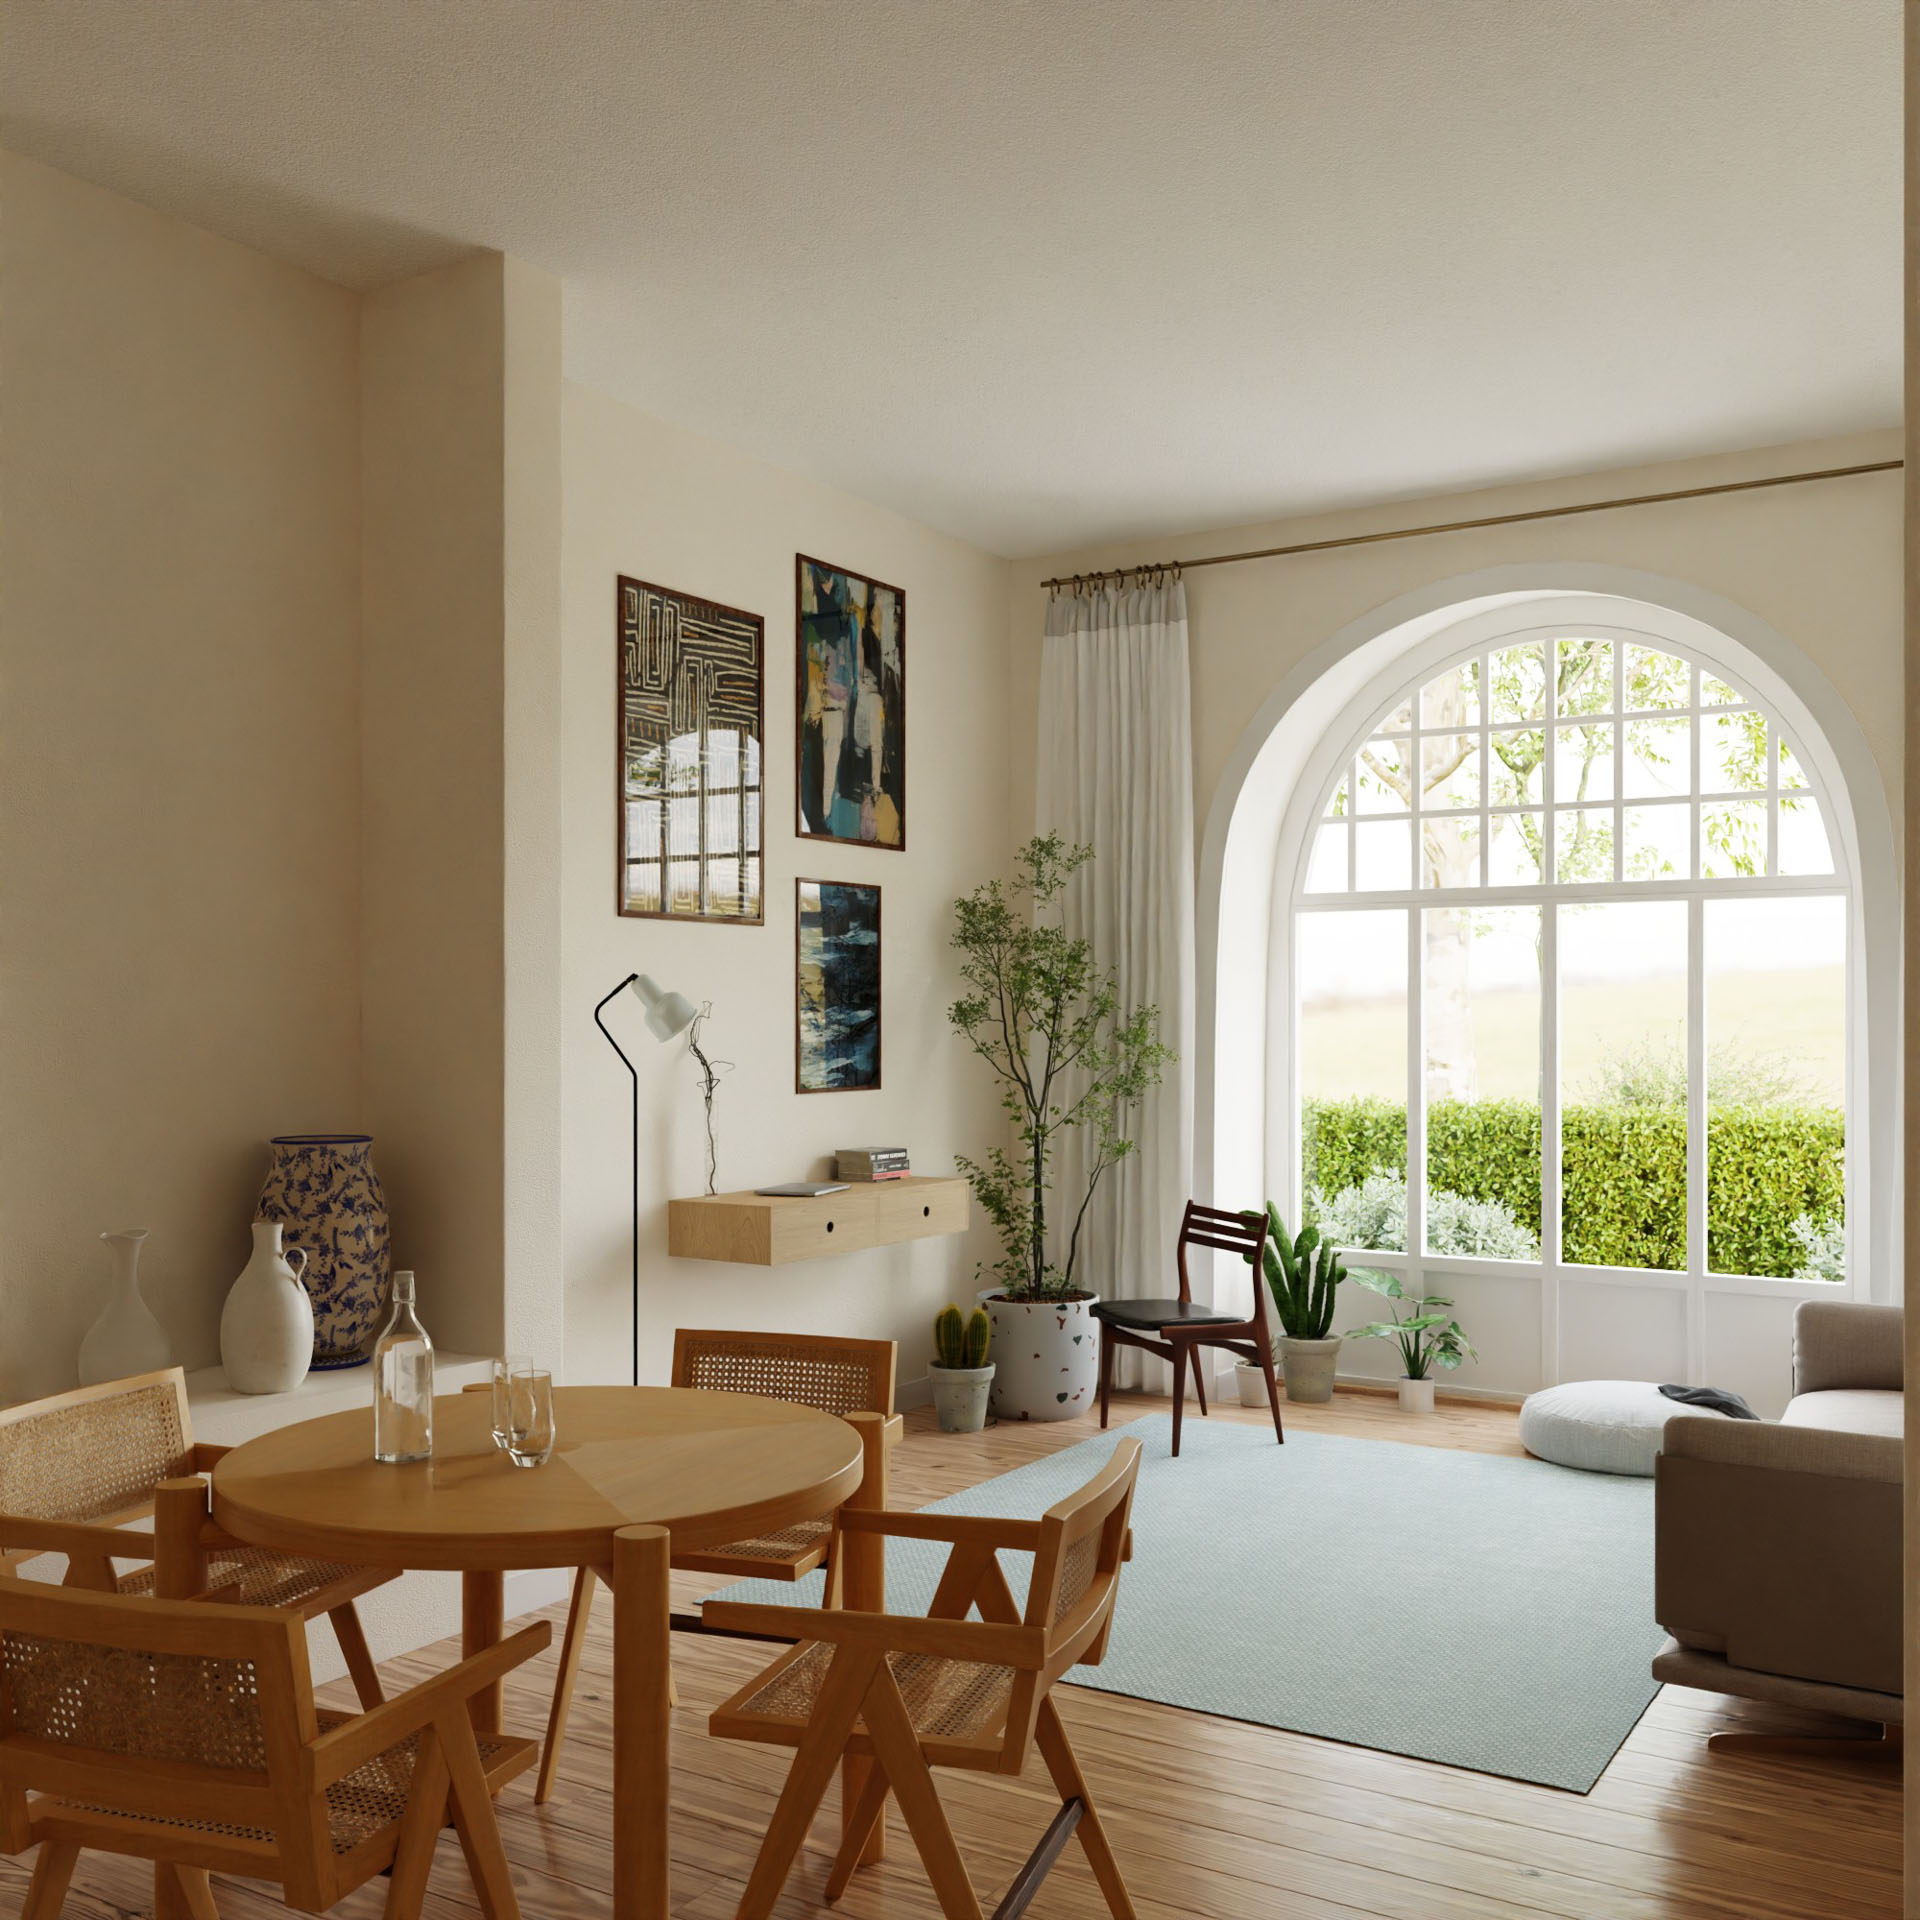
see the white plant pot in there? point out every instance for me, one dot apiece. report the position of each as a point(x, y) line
point(266, 1327)
point(1309, 1366)
point(126, 1339)
point(1046, 1358)
point(1252, 1384)
point(960, 1396)
point(1416, 1396)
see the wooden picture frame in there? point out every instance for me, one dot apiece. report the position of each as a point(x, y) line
point(836, 997)
point(850, 707)
point(687, 667)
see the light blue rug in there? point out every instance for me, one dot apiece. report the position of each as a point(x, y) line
point(1487, 1612)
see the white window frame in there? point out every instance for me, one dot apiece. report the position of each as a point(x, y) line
point(1480, 636)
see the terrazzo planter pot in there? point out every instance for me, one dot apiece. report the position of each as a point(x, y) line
point(1252, 1384)
point(1309, 1365)
point(1046, 1356)
point(1416, 1396)
point(960, 1396)
point(323, 1190)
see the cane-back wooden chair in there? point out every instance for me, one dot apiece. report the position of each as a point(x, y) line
point(853, 1378)
point(80, 1471)
point(1174, 1329)
point(185, 1733)
point(944, 1691)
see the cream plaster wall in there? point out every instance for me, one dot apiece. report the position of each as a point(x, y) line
point(179, 765)
point(654, 501)
point(460, 425)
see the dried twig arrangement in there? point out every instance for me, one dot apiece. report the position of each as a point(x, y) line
point(711, 1072)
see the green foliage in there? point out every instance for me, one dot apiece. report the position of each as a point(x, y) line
point(1623, 1173)
point(1043, 1013)
point(1653, 1073)
point(1304, 1273)
point(961, 1343)
point(1823, 1248)
point(1374, 1214)
point(1427, 1334)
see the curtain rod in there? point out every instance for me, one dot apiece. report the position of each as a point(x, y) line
point(1177, 567)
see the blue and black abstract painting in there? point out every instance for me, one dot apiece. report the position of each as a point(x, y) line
point(852, 707)
point(838, 989)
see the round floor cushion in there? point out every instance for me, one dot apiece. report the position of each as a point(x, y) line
point(1601, 1426)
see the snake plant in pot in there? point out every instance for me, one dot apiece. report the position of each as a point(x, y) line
point(961, 1372)
point(1303, 1273)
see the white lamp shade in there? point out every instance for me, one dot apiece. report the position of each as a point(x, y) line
point(667, 1013)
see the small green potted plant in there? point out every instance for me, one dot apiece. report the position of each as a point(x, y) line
point(1303, 1274)
point(1427, 1335)
point(961, 1372)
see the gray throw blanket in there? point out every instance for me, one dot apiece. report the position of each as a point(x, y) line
point(1716, 1399)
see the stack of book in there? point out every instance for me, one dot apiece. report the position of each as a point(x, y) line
point(871, 1163)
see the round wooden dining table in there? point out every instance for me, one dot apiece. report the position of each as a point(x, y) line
point(635, 1473)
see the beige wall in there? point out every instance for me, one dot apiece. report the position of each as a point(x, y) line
point(650, 500)
point(460, 593)
point(179, 809)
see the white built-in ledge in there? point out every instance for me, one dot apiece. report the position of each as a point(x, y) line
point(224, 1418)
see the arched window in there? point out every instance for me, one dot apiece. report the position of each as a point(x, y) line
point(1569, 986)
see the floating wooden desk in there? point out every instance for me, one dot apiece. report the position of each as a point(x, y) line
point(769, 1230)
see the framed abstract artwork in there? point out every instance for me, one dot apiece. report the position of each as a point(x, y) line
point(851, 706)
point(836, 986)
point(691, 702)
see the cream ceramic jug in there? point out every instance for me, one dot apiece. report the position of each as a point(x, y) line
point(266, 1329)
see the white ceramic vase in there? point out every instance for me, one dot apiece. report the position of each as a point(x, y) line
point(126, 1339)
point(1252, 1384)
point(1416, 1396)
point(266, 1327)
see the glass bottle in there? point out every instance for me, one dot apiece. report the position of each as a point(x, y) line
point(403, 1383)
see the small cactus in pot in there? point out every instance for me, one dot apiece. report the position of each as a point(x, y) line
point(961, 1372)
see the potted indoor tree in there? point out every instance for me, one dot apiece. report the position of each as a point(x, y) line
point(961, 1372)
point(1427, 1335)
point(1303, 1274)
point(1045, 1015)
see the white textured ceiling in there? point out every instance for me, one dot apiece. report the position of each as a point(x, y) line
point(1041, 273)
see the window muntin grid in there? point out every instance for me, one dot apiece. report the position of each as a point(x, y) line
point(1648, 769)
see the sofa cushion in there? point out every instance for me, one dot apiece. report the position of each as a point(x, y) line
point(1848, 1410)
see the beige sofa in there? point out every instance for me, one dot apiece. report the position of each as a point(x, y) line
point(1777, 1546)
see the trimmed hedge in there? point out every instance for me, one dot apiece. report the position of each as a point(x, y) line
point(1623, 1172)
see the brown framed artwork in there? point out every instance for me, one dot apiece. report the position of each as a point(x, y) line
point(836, 988)
point(690, 701)
point(850, 707)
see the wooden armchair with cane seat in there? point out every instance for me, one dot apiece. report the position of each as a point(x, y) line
point(80, 1472)
point(911, 1694)
point(1175, 1329)
point(853, 1378)
point(186, 1734)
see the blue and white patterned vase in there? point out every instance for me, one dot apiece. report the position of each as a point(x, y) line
point(323, 1190)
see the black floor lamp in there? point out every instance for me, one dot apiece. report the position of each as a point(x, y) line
point(667, 1015)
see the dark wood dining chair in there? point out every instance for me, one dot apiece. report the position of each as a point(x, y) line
point(1174, 1330)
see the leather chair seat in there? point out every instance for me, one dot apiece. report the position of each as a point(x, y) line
point(1149, 1316)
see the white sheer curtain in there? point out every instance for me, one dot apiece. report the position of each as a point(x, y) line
point(1116, 772)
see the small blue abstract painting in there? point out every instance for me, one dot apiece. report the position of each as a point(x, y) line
point(837, 991)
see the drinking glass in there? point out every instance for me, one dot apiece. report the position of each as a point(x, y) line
point(529, 1416)
point(503, 1369)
